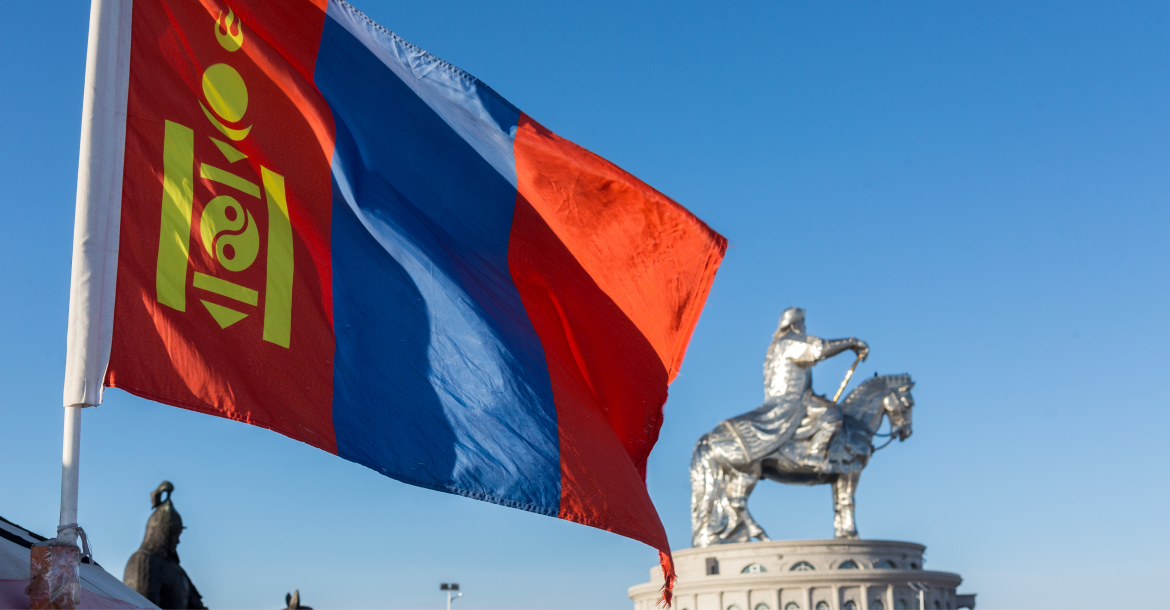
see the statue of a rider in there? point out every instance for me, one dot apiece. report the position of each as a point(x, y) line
point(795, 437)
point(792, 411)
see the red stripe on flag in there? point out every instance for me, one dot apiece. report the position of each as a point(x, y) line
point(613, 275)
point(250, 341)
point(649, 254)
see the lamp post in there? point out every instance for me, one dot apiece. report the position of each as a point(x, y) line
point(451, 589)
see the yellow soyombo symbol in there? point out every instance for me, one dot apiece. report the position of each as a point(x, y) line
point(229, 31)
point(229, 232)
point(226, 92)
point(175, 230)
point(227, 95)
point(278, 291)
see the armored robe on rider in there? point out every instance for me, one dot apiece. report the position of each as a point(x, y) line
point(791, 410)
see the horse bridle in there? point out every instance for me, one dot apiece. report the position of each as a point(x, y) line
point(891, 434)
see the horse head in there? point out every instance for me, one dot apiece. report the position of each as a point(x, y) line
point(898, 404)
point(882, 395)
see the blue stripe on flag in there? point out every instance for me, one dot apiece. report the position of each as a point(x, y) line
point(439, 377)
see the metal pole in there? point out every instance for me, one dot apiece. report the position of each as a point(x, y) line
point(448, 600)
point(95, 239)
point(70, 465)
point(845, 382)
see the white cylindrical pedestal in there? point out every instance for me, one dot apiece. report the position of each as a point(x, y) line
point(804, 575)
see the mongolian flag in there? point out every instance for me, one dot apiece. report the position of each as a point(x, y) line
point(313, 226)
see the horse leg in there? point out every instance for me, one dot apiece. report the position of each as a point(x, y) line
point(738, 492)
point(844, 487)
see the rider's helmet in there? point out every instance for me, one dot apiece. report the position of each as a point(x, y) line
point(164, 525)
point(791, 316)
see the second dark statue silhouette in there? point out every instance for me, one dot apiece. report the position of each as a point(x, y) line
point(154, 570)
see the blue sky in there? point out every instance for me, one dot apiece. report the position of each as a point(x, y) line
point(979, 190)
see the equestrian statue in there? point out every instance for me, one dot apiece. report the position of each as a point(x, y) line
point(796, 437)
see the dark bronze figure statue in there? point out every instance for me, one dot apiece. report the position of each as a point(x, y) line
point(292, 601)
point(153, 570)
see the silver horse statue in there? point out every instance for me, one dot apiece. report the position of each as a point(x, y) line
point(796, 437)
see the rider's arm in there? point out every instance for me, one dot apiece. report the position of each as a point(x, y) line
point(836, 346)
point(805, 351)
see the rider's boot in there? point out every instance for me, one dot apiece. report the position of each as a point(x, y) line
point(818, 447)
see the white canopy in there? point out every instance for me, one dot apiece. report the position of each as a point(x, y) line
point(99, 588)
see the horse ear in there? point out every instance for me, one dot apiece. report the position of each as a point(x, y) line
point(295, 602)
point(287, 599)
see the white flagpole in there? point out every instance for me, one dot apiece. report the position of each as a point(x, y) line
point(54, 568)
point(95, 232)
point(70, 470)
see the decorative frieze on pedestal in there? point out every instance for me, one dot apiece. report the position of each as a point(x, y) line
point(805, 575)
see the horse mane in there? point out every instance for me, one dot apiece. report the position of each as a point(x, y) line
point(878, 383)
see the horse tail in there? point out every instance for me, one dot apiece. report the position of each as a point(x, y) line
point(708, 488)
